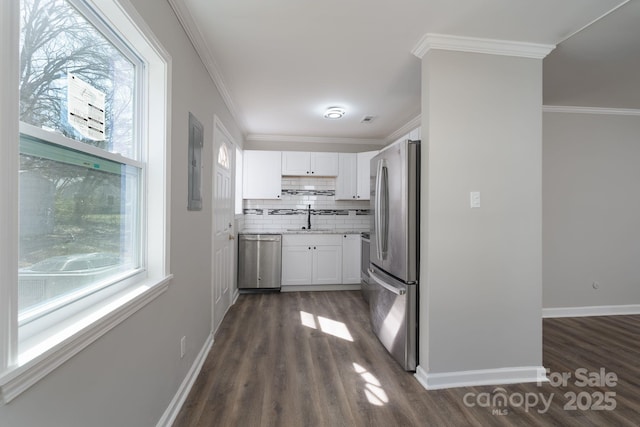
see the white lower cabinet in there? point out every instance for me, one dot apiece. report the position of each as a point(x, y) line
point(311, 259)
point(327, 265)
point(351, 258)
point(296, 264)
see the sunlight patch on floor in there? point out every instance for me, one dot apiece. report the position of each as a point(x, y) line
point(337, 329)
point(308, 320)
point(328, 326)
point(373, 388)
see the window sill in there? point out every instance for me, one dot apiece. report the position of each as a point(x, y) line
point(63, 346)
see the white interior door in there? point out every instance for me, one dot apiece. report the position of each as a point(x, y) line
point(223, 234)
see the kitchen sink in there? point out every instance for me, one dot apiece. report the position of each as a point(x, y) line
point(308, 230)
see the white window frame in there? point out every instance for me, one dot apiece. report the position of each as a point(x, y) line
point(20, 369)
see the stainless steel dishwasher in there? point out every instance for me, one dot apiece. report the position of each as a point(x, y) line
point(259, 261)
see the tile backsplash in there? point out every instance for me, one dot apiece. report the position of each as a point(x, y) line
point(291, 210)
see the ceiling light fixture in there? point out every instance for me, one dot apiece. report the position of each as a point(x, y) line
point(334, 113)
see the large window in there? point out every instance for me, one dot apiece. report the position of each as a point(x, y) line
point(84, 187)
point(79, 209)
point(78, 224)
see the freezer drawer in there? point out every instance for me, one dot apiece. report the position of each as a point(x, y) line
point(393, 316)
point(259, 261)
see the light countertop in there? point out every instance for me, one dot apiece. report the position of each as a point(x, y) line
point(312, 231)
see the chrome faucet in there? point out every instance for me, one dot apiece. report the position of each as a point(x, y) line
point(309, 218)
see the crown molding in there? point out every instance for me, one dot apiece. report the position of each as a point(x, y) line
point(590, 110)
point(198, 41)
point(432, 41)
point(315, 139)
point(594, 21)
point(406, 128)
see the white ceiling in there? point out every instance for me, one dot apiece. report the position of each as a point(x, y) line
point(280, 63)
point(600, 66)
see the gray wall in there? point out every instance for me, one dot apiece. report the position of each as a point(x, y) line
point(481, 288)
point(591, 210)
point(129, 376)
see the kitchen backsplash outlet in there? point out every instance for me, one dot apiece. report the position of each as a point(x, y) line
point(291, 210)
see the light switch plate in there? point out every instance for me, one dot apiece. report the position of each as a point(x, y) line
point(475, 199)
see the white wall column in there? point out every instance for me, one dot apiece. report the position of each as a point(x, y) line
point(481, 273)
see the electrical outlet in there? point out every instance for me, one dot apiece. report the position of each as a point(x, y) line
point(183, 346)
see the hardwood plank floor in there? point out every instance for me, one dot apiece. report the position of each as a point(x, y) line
point(310, 359)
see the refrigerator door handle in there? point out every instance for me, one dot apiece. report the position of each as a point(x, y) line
point(381, 210)
point(376, 211)
point(386, 285)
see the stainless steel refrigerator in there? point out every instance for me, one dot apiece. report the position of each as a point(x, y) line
point(394, 260)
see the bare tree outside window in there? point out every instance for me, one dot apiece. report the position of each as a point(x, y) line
point(57, 40)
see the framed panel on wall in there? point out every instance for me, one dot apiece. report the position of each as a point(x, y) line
point(196, 141)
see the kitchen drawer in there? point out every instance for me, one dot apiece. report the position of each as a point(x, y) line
point(311, 239)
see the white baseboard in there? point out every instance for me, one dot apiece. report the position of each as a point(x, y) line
point(600, 310)
point(174, 407)
point(525, 374)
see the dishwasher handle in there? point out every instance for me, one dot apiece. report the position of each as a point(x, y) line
point(260, 238)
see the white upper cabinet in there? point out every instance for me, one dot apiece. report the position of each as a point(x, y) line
point(298, 163)
point(414, 135)
point(324, 164)
point(346, 183)
point(364, 176)
point(353, 180)
point(262, 175)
